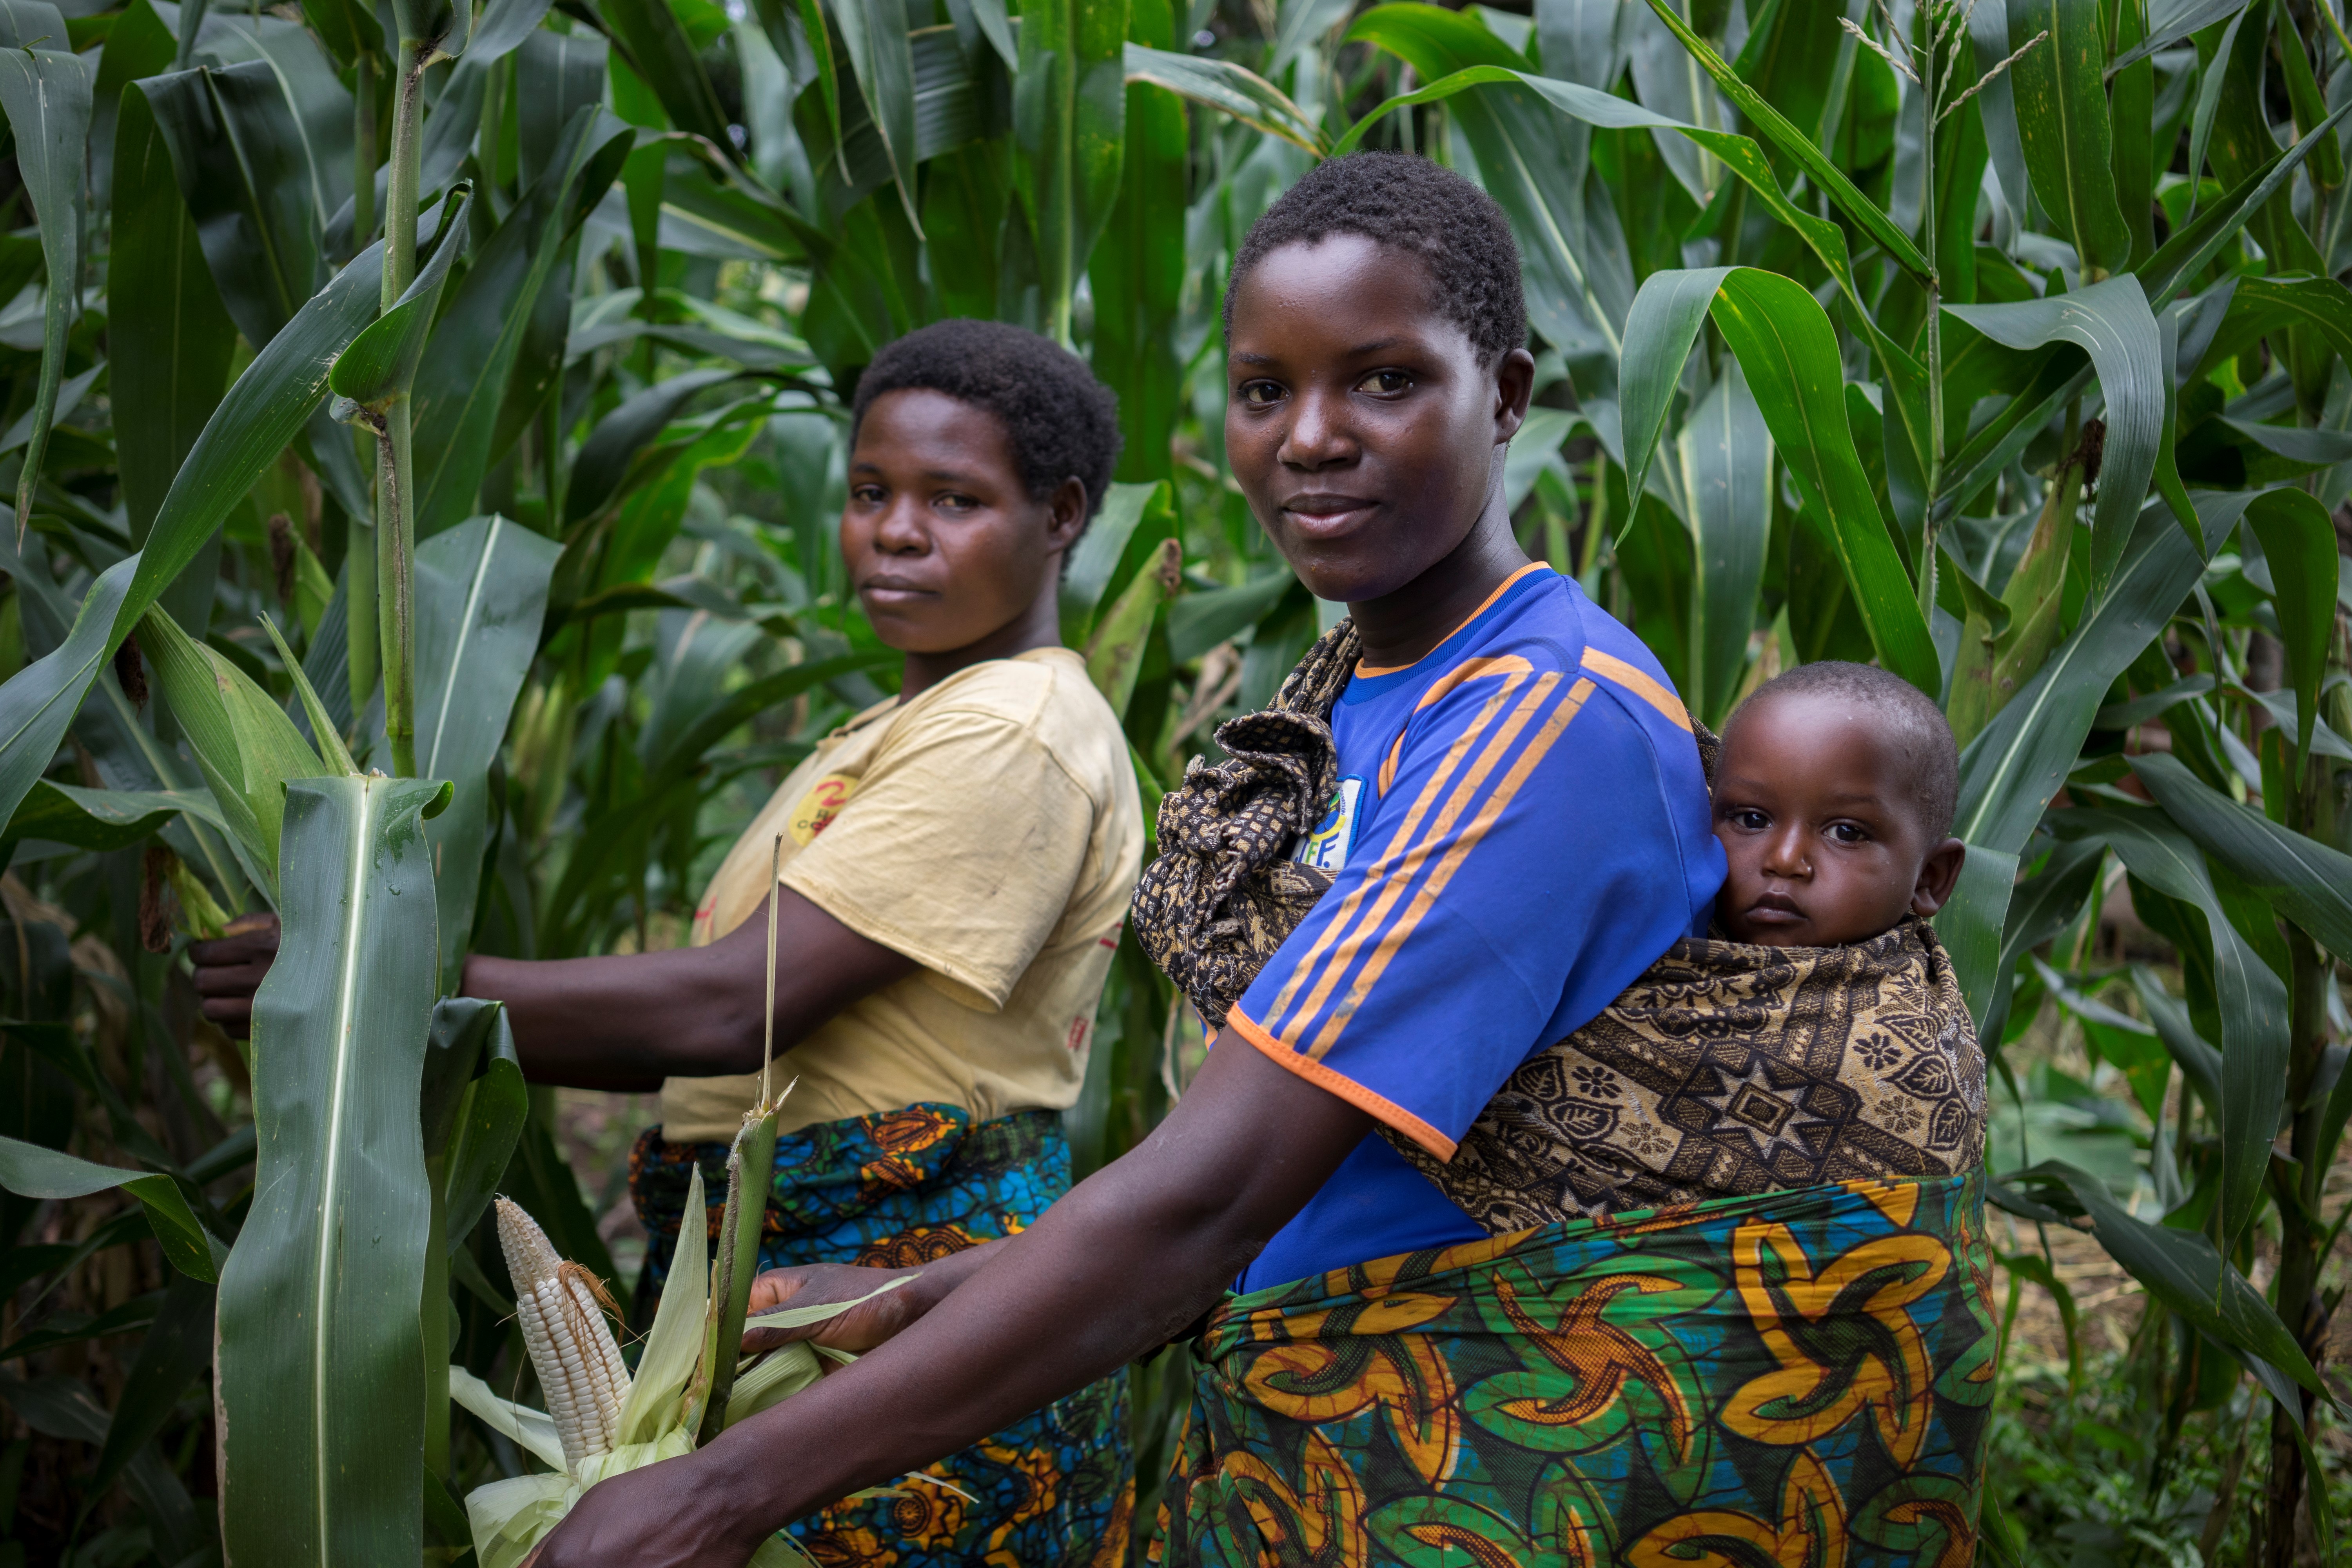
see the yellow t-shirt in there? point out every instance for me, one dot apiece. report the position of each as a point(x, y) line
point(990, 831)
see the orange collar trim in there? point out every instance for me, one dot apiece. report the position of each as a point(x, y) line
point(1500, 589)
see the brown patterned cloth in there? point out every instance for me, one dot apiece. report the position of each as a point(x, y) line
point(1725, 1070)
point(1224, 891)
point(1729, 1070)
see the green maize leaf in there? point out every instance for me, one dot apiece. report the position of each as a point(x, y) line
point(2252, 997)
point(1803, 149)
point(1199, 621)
point(331, 750)
point(1549, 220)
point(1228, 88)
point(1971, 923)
point(2113, 324)
point(1725, 451)
point(104, 819)
point(533, 1430)
point(262, 412)
point(1096, 557)
point(321, 1363)
point(1788, 351)
point(491, 1112)
point(2200, 1064)
point(750, 1164)
point(613, 444)
point(2181, 259)
point(471, 358)
point(2039, 908)
point(2061, 119)
point(2298, 539)
point(61, 1406)
point(1137, 273)
point(246, 746)
point(2168, 25)
point(2017, 762)
point(2303, 879)
point(171, 341)
point(47, 95)
point(873, 35)
point(664, 56)
point(1069, 113)
point(481, 594)
point(237, 153)
point(504, 27)
point(674, 1345)
point(177, 1347)
point(1114, 651)
point(2181, 1269)
point(31, 1171)
point(382, 361)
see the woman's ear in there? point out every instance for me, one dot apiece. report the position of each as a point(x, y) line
point(1939, 874)
point(1515, 385)
point(1066, 514)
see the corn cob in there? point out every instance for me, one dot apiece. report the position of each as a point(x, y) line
point(572, 1350)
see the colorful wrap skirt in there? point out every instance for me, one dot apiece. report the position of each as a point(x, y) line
point(893, 1191)
point(1796, 1379)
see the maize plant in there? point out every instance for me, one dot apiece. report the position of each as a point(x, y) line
point(455, 393)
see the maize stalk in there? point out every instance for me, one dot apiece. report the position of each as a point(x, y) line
point(572, 1350)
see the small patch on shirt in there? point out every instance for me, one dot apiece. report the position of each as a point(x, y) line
point(1327, 847)
point(821, 805)
point(1082, 1031)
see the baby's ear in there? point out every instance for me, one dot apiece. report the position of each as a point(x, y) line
point(1938, 875)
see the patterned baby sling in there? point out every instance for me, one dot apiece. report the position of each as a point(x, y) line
point(1725, 1070)
point(1732, 1304)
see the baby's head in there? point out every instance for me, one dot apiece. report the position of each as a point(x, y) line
point(1833, 800)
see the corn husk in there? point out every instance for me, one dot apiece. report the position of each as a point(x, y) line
point(658, 1418)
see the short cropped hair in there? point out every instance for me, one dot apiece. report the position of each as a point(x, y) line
point(1406, 202)
point(1912, 719)
point(1062, 422)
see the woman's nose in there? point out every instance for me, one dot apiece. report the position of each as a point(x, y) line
point(1318, 436)
point(899, 530)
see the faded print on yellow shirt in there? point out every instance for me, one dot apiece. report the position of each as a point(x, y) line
point(990, 831)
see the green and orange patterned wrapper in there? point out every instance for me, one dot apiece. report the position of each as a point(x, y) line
point(1799, 1378)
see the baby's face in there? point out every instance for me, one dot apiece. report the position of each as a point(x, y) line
point(1818, 819)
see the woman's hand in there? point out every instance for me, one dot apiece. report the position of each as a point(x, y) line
point(858, 1329)
point(230, 968)
point(664, 1516)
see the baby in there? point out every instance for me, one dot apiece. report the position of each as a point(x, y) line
point(1825, 1040)
point(1834, 802)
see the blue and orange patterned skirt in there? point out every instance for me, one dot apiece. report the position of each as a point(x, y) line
point(1054, 1490)
point(1798, 1378)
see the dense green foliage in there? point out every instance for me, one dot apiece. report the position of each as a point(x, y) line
point(460, 395)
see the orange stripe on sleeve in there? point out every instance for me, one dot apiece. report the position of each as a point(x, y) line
point(1631, 678)
point(1379, 1107)
point(1426, 896)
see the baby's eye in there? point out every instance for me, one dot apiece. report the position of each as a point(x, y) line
point(1748, 817)
point(1387, 382)
point(1261, 393)
point(1848, 833)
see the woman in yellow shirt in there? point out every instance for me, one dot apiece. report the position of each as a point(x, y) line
point(957, 861)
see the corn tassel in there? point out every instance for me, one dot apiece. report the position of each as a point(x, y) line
point(572, 1350)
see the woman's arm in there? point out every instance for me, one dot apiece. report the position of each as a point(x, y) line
point(627, 1022)
point(1119, 1267)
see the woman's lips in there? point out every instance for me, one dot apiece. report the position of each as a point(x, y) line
point(893, 591)
point(1326, 516)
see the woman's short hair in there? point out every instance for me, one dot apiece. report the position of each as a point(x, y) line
point(1404, 201)
point(1062, 422)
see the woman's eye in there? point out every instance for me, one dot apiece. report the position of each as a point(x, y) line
point(866, 495)
point(1390, 382)
point(1261, 393)
point(957, 503)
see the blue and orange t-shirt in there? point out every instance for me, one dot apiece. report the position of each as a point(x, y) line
point(1520, 829)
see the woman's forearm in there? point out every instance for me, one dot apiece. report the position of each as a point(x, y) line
point(628, 1021)
point(1116, 1269)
